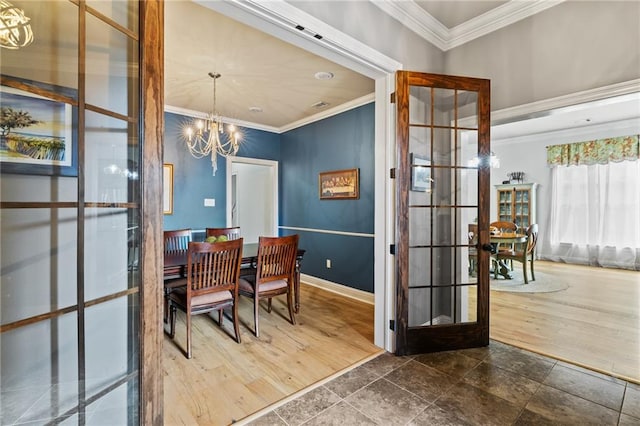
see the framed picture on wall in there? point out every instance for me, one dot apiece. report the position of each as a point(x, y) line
point(420, 173)
point(339, 184)
point(167, 188)
point(37, 133)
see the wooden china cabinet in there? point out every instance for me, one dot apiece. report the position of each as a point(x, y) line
point(517, 203)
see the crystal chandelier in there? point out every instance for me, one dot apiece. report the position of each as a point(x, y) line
point(204, 136)
point(15, 30)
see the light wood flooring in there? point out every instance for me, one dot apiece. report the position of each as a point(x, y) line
point(595, 323)
point(224, 381)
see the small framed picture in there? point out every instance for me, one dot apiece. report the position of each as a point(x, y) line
point(420, 173)
point(339, 184)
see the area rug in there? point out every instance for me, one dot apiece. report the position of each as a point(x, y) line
point(544, 283)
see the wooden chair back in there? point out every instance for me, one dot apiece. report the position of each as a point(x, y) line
point(532, 239)
point(231, 233)
point(503, 226)
point(176, 241)
point(276, 258)
point(213, 267)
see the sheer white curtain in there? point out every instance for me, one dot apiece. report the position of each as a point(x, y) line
point(595, 215)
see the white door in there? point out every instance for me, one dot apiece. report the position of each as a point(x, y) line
point(252, 197)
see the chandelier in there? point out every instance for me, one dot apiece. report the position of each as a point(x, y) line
point(15, 30)
point(207, 137)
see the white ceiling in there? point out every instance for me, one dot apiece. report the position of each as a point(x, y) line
point(264, 72)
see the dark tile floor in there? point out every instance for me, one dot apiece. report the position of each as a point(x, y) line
point(495, 385)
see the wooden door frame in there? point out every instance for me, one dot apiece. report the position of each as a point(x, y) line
point(151, 14)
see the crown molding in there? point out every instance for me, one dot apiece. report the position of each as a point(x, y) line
point(363, 100)
point(203, 115)
point(578, 133)
point(355, 103)
point(543, 107)
point(495, 19)
point(417, 20)
point(426, 26)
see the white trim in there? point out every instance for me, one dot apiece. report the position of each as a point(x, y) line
point(417, 20)
point(342, 290)
point(275, 179)
point(613, 129)
point(327, 231)
point(500, 17)
point(429, 28)
point(347, 106)
point(543, 107)
point(363, 100)
point(203, 115)
point(279, 19)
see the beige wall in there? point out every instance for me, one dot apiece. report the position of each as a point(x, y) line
point(370, 25)
point(575, 46)
point(568, 48)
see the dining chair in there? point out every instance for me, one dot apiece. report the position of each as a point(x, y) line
point(504, 226)
point(232, 233)
point(525, 254)
point(213, 271)
point(275, 269)
point(472, 233)
point(175, 241)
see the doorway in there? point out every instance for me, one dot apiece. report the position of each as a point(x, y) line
point(252, 197)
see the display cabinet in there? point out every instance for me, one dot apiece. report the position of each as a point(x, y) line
point(517, 203)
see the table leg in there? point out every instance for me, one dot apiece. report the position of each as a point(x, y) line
point(504, 270)
point(296, 287)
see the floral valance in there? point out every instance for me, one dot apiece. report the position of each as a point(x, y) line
point(600, 151)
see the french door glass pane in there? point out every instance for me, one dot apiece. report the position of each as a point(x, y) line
point(441, 255)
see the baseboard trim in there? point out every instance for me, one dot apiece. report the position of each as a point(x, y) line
point(342, 290)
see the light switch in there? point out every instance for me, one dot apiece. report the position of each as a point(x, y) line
point(209, 202)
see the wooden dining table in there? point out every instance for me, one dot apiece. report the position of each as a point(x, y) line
point(173, 260)
point(506, 238)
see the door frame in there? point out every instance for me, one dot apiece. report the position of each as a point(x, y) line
point(274, 173)
point(275, 18)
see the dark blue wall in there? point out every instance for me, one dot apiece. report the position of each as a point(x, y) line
point(193, 180)
point(343, 141)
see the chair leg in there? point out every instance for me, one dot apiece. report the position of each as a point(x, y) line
point(290, 305)
point(221, 316)
point(188, 332)
point(269, 305)
point(236, 326)
point(524, 271)
point(166, 306)
point(533, 275)
point(172, 321)
point(256, 305)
